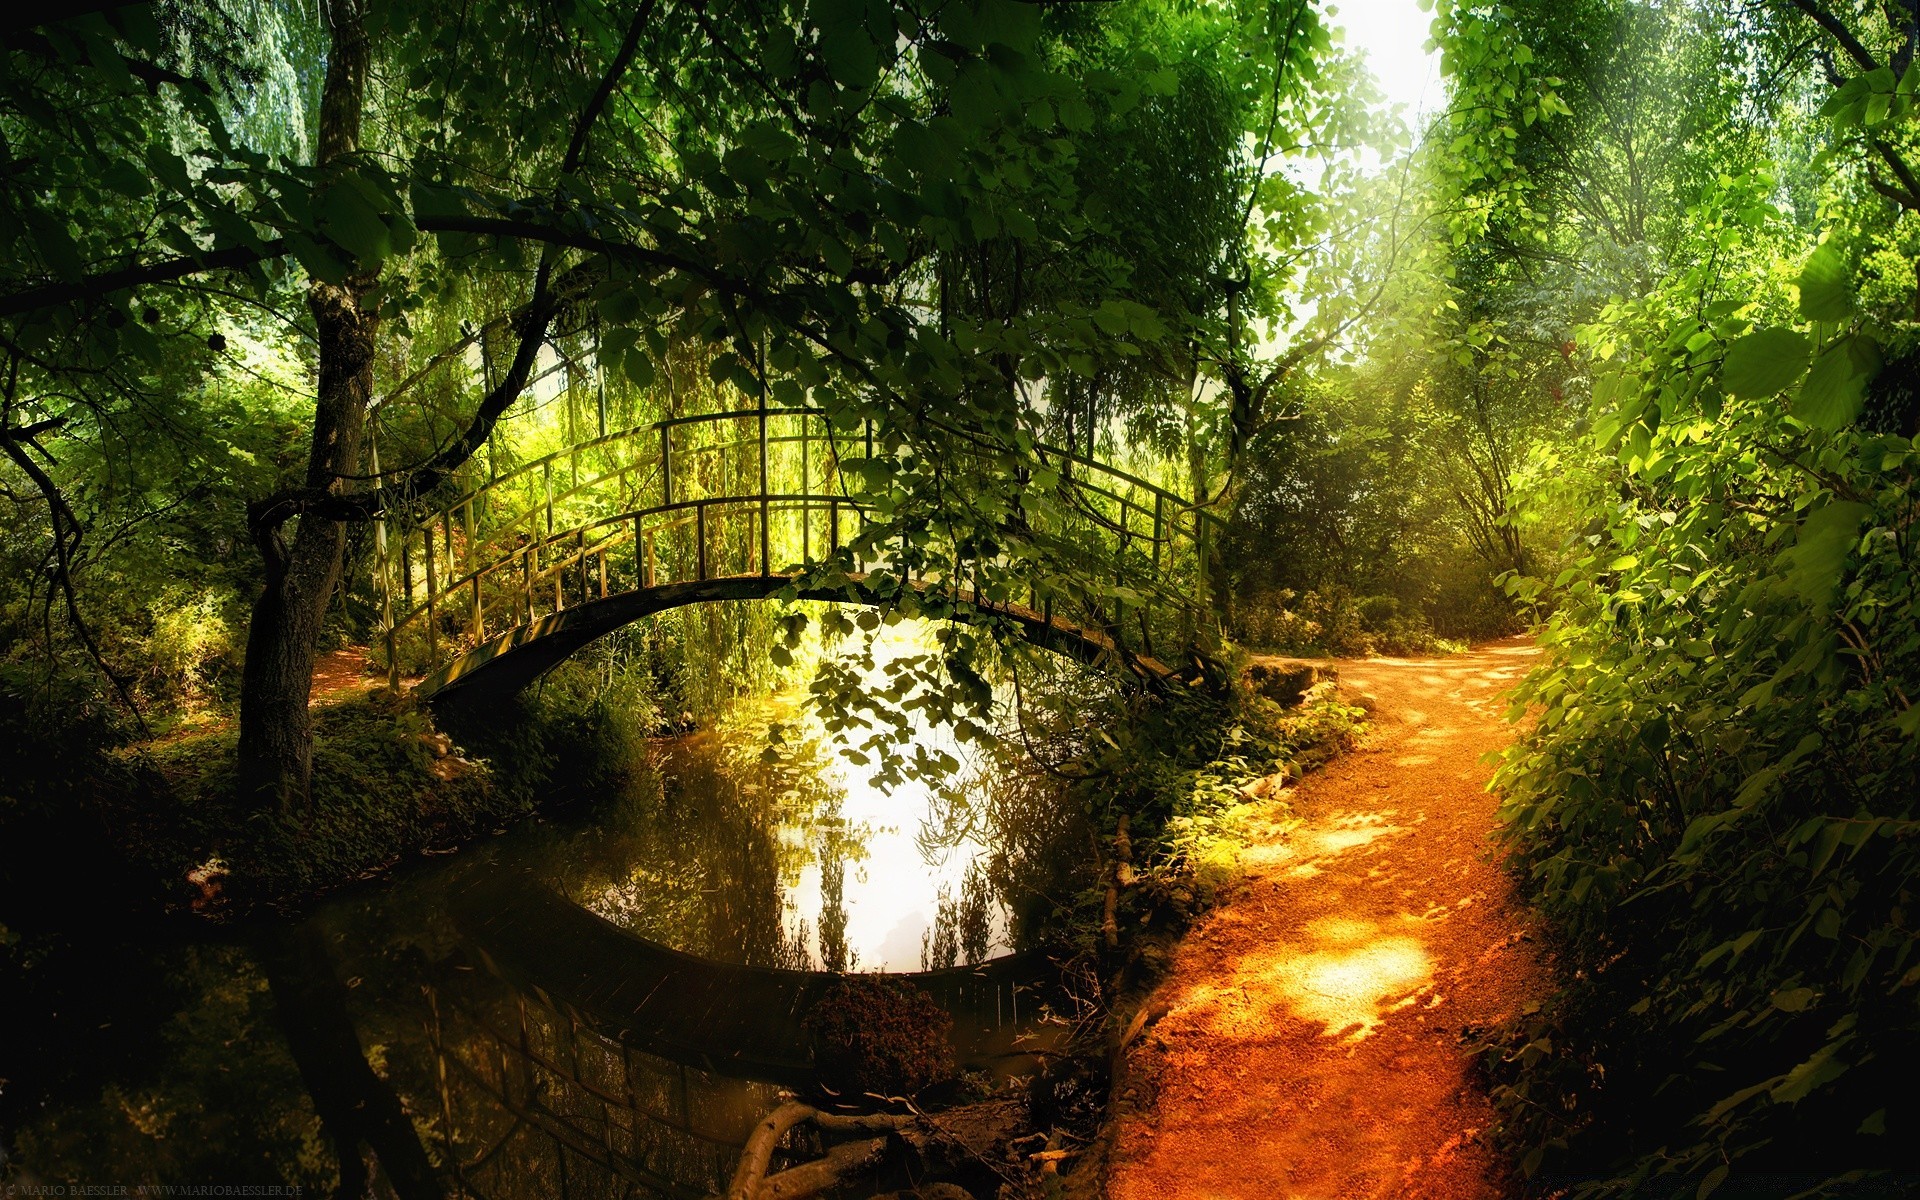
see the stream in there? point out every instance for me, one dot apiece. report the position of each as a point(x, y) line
point(186, 1056)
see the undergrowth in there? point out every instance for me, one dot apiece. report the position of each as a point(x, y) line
point(1183, 768)
point(1334, 621)
point(388, 784)
point(1717, 804)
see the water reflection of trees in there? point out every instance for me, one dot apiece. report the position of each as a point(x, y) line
point(512, 1097)
point(962, 928)
point(706, 849)
point(1035, 857)
point(210, 1091)
point(1010, 802)
point(833, 897)
point(701, 850)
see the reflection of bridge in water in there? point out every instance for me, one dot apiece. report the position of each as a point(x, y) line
point(736, 505)
point(616, 1066)
point(535, 1102)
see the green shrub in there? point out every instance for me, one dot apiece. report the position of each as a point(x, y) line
point(1334, 621)
point(1718, 805)
point(386, 783)
point(189, 658)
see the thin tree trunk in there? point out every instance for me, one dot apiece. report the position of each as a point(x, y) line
point(276, 736)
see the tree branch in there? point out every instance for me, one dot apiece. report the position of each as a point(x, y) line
point(52, 295)
point(266, 516)
point(1901, 170)
point(66, 526)
point(1839, 32)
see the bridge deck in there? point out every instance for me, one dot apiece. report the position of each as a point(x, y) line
point(503, 665)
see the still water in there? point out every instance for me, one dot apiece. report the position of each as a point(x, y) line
point(170, 1057)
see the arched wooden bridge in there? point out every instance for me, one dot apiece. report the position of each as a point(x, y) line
point(511, 576)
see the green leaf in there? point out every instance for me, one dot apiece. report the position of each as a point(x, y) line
point(1764, 363)
point(1825, 843)
point(850, 55)
point(921, 149)
point(1836, 387)
point(347, 218)
point(620, 306)
point(320, 259)
point(1826, 286)
point(1711, 1182)
point(975, 99)
point(1793, 999)
point(124, 178)
point(1821, 1068)
point(1820, 552)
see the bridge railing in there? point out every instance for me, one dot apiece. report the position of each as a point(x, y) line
point(745, 492)
point(523, 1085)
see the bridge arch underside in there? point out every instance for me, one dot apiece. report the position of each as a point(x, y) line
point(497, 670)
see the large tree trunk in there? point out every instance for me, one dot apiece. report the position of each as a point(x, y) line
point(276, 736)
point(356, 1107)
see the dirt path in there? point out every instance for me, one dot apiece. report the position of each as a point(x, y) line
point(337, 671)
point(1310, 1048)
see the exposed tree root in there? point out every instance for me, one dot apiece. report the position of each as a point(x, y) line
point(971, 1136)
point(837, 1166)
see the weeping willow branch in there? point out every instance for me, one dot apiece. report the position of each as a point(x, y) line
point(68, 533)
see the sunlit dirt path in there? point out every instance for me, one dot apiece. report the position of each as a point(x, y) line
point(338, 671)
point(1311, 1043)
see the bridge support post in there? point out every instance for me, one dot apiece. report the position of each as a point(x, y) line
point(766, 509)
point(382, 569)
point(446, 546)
point(666, 466)
point(526, 578)
point(580, 548)
point(433, 594)
point(406, 564)
point(1159, 536)
point(700, 539)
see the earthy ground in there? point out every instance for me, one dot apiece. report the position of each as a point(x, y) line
point(1311, 1043)
point(336, 671)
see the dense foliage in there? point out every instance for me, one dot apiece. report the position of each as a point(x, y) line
point(1623, 341)
point(1713, 797)
point(296, 273)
